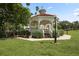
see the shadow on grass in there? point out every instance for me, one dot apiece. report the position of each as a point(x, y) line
point(7, 38)
point(2, 38)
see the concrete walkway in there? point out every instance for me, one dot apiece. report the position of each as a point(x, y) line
point(64, 37)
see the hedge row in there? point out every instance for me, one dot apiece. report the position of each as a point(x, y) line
point(26, 33)
point(37, 34)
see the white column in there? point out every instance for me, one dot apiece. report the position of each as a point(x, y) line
point(38, 24)
point(52, 28)
point(43, 34)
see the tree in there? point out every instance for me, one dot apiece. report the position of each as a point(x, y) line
point(64, 25)
point(37, 8)
point(76, 25)
point(68, 25)
point(28, 4)
point(13, 14)
point(6, 16)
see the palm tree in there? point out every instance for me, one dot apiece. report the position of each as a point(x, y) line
point(27, 4)
point(31, 13)
point(37, 8)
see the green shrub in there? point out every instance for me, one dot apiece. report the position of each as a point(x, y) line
point(37, 34)
point(10, 34)
point(2, 34)
point(24, 33)
point(27, 33)
point(57, 34)
point(61, 32)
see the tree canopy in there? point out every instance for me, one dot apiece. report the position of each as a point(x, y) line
point(13, 14)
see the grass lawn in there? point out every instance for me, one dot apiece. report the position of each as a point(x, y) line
point(14, 47)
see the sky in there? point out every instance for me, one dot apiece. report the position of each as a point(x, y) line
point(64, 11)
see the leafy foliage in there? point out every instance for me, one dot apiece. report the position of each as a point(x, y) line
point(37, 34)
point(11, 15)
point(66, 25)
point(61, 32)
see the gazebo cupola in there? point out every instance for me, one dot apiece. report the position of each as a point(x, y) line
point(42, 11)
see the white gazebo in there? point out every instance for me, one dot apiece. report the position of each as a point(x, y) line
point(43, 21)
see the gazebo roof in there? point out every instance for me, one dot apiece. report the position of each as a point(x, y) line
point(42, 12)
point(45, 15)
